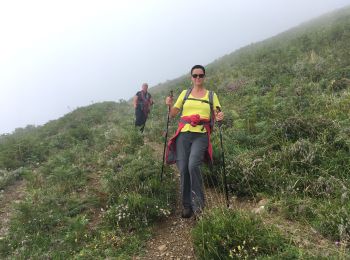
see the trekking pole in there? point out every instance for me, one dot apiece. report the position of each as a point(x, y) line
point(165, 138)
point(223, 160)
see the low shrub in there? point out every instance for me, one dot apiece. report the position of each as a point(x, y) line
point(137, 197)
point(296, 127)
point(248, 174)
point(8, 177)
point(224, 234)
point(333, 221)
point(295, 208)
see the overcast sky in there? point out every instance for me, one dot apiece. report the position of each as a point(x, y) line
point(58, 55)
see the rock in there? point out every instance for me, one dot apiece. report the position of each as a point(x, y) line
point(259, 210)
point(162, 248)
point(262, 202)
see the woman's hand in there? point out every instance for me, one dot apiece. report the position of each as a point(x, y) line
point(219, 116)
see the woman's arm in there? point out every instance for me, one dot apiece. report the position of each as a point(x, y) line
point(174, 111)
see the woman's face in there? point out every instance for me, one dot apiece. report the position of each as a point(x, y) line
point(197, 77)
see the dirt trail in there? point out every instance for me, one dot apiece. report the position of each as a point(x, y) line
point(10, 196)
point(172, 237)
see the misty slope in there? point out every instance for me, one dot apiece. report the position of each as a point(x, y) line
point(93, 186)
point(287, 129)
point(283, 57)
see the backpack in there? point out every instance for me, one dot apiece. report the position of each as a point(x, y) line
point(210, 102)
point(143, 101)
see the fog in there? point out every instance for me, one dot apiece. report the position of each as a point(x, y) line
point(56, 56)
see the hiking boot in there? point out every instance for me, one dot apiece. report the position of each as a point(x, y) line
point(186, 213)
point(198, 214)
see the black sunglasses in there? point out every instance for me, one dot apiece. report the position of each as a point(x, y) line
point(198, 76)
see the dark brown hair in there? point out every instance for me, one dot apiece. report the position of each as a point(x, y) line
point(198, 67)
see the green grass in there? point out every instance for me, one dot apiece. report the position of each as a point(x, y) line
point(225, 234)
point(96, 196)
point(9, 177)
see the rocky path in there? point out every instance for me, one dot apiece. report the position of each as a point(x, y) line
point(172, 238)
point(8, 198)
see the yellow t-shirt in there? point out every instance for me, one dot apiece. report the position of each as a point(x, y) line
point(192, 107)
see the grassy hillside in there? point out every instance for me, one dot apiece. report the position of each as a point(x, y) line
point(287, 127)
point(93, 186)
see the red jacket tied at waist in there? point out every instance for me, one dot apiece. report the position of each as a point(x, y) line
point(193, 120)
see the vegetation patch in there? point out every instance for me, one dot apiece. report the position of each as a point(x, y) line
point(225, 234)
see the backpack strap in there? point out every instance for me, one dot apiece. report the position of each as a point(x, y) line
point(212, 117)
point(188, 92)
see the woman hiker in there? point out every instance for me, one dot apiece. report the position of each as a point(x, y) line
point(191, 142)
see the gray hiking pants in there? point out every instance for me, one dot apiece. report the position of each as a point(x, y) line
point(190, 150)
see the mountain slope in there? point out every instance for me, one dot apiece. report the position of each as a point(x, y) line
point(93, 188)
point(287, 127)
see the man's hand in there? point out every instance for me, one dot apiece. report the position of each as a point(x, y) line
point(169, 101)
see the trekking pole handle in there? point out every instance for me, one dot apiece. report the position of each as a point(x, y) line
point(219, 122)
point(170, 96)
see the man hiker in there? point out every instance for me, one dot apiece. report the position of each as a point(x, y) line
point(142, 104)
